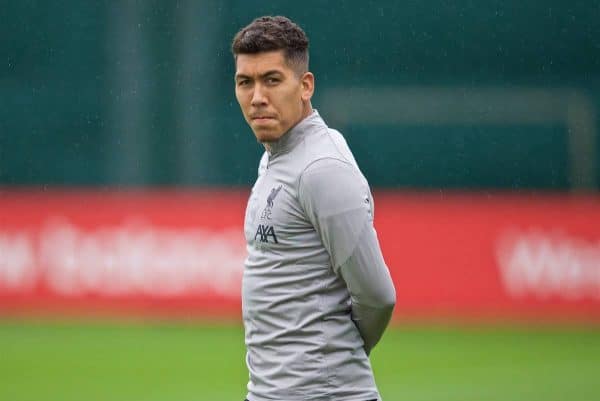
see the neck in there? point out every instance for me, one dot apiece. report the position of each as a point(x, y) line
point(306, 111)
point(295, 135)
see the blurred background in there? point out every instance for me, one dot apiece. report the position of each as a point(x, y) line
point(125, 164)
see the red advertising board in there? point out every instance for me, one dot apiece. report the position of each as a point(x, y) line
point(499, 256)
point(181, 253)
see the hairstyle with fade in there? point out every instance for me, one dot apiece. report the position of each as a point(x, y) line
point(268, 33)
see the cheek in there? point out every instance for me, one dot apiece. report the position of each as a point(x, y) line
point(296, 105)
point(293, 101)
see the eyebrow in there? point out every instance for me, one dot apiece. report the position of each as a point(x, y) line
point(264, 75)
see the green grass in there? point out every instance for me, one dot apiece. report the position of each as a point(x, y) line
point(184, 362)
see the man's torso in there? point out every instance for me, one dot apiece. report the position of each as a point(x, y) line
point(301, 342)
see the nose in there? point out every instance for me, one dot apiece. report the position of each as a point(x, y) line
point(258, 96)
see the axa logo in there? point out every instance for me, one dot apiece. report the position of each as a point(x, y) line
point(266, 213)
point(264, 233)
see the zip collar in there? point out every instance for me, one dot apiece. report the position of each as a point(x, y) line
point(295, 135)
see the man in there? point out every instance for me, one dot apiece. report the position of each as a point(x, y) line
point(316, 293)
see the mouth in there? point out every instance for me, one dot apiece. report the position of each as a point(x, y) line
point(260, 118)
point(262, 121)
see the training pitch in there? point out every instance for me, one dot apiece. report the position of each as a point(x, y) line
point(141, 361)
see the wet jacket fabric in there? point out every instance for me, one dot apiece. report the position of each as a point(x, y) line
point(316, 293)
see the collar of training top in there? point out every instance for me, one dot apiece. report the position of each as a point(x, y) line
point(295, 135)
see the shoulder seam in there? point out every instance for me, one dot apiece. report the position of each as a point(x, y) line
point(301, 175)
point(333, 142)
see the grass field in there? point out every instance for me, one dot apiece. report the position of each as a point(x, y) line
point(183, 362)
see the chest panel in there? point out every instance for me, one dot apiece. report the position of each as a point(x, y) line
point(274, 218)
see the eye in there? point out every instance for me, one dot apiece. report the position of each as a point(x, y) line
point(272, 81)
point(243, 82)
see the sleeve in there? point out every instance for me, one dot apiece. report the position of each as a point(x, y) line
point(338, 202)
point(371, 288)
point(336, 199)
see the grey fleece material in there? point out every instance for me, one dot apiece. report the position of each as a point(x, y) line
point(316, 293)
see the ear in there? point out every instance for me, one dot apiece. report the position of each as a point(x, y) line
point(308, 86)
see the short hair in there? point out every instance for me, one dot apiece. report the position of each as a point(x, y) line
point(268, 33)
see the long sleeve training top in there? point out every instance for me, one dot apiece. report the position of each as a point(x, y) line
point(316, 293)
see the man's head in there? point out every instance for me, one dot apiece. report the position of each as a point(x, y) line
point(272, 82)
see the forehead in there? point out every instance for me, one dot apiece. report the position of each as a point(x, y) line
point(259, 63)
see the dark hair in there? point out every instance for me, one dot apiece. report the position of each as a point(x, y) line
point(271, 34)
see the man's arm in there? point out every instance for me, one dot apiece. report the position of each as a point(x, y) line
point(337, 200)
point(371, 288)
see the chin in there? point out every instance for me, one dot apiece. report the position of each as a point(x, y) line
point(263, 136)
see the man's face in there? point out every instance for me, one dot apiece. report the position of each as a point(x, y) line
point(272, 96)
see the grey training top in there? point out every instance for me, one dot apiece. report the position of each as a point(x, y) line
point(316, 293)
